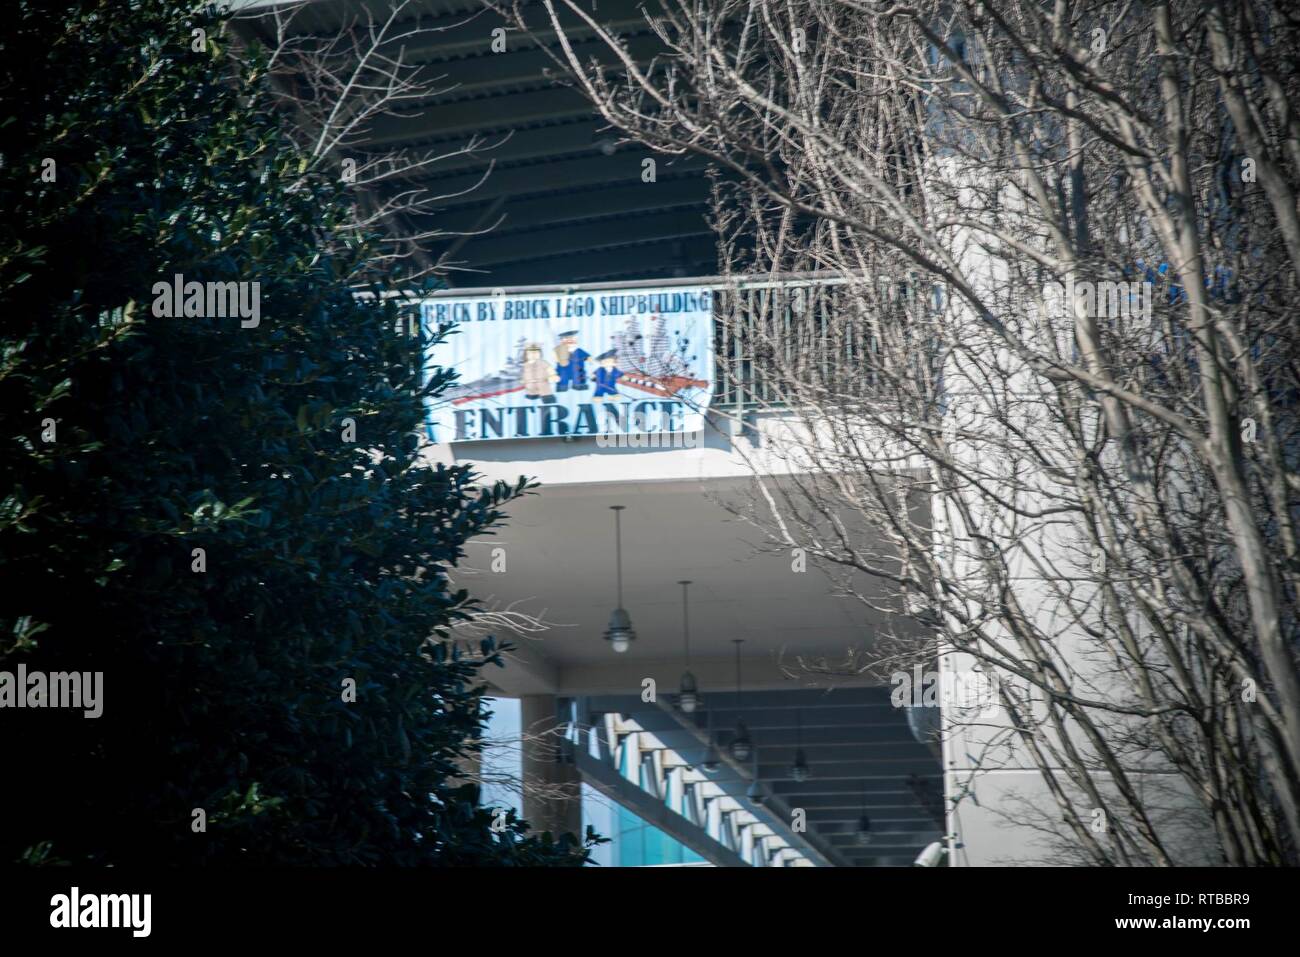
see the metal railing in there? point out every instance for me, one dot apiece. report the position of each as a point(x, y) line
point(767, 332)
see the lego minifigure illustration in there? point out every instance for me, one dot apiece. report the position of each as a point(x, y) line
point(537, 375)
point(607, 376)
point(570, 362)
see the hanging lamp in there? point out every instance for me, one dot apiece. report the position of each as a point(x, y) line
point(619, 634)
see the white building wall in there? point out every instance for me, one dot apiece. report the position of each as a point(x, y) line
point(1000, 808)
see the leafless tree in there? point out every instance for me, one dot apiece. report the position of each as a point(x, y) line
point(1036, 375)
point(336, 86)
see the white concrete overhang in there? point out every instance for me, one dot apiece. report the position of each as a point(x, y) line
point(556, 561)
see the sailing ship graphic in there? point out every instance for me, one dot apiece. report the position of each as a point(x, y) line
point(662, 371)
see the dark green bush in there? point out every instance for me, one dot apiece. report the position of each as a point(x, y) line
point(223, 686)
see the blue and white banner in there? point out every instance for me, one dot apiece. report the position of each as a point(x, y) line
point(541, 365)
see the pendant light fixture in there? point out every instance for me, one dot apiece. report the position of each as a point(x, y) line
point(711, 762)
point(619, 634)
point(741, 746)
point(864, 822)
point(799, 770)
point(688, 699)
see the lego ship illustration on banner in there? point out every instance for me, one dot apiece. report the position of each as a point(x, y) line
point(661, 372)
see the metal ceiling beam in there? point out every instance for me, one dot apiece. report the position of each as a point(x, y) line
point(586, 172)
point(887, 770)
point(826, 821)
point(897, 805)
point(675, 195)
point(561, 240)
point(884, 843)
point(478, 75)
point(654, 230)
point(504, 111)
point(450, 35)
point(857, 716)
point(891, 786)
point(547, 142)
point(789, 735)
point(640, 261)
point(876, 787)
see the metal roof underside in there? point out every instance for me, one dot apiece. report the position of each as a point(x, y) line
point(568, 210)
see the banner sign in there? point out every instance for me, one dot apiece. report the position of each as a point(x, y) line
point(541, 365)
